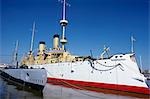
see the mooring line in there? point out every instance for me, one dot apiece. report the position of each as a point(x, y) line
point(72, 85)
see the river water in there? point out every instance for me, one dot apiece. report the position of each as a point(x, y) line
point(11, 91)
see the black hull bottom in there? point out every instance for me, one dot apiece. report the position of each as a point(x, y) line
point(22, 83)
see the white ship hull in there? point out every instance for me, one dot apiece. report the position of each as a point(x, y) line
point(32, 78)
point(119, 72)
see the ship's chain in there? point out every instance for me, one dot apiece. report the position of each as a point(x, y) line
point(114, 66)
point(105, 65)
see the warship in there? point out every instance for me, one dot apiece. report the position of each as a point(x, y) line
point(117, 72)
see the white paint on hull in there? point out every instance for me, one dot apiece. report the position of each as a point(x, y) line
point(35, 76)
point(119, 69)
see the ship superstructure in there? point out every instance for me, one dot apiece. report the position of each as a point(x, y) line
point(118, 72)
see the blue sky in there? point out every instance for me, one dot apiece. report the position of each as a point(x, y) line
point(92, 24)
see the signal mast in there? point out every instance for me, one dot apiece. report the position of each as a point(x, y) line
point(63, 23)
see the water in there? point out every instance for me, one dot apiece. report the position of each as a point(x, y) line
point(10, 91)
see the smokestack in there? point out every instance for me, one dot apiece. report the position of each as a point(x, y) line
point(56, 41)
point(41, 46)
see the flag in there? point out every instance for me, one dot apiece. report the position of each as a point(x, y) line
point(132, 39)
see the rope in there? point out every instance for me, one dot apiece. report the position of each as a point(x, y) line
point(77, 88)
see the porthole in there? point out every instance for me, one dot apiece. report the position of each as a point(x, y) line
point(72, 71)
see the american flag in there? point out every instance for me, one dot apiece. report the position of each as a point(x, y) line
point(132, 38)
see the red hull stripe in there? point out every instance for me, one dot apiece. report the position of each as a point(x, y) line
point(133, 89)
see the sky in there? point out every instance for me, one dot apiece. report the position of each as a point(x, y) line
point(92, 24)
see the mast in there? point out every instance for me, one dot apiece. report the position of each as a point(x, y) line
point(32, 39)
point(16, 54)
point(141, 64)
point(132, 44)
point(63, 23)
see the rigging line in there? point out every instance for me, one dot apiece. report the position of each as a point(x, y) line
point(72, 85)
point(81, 91)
